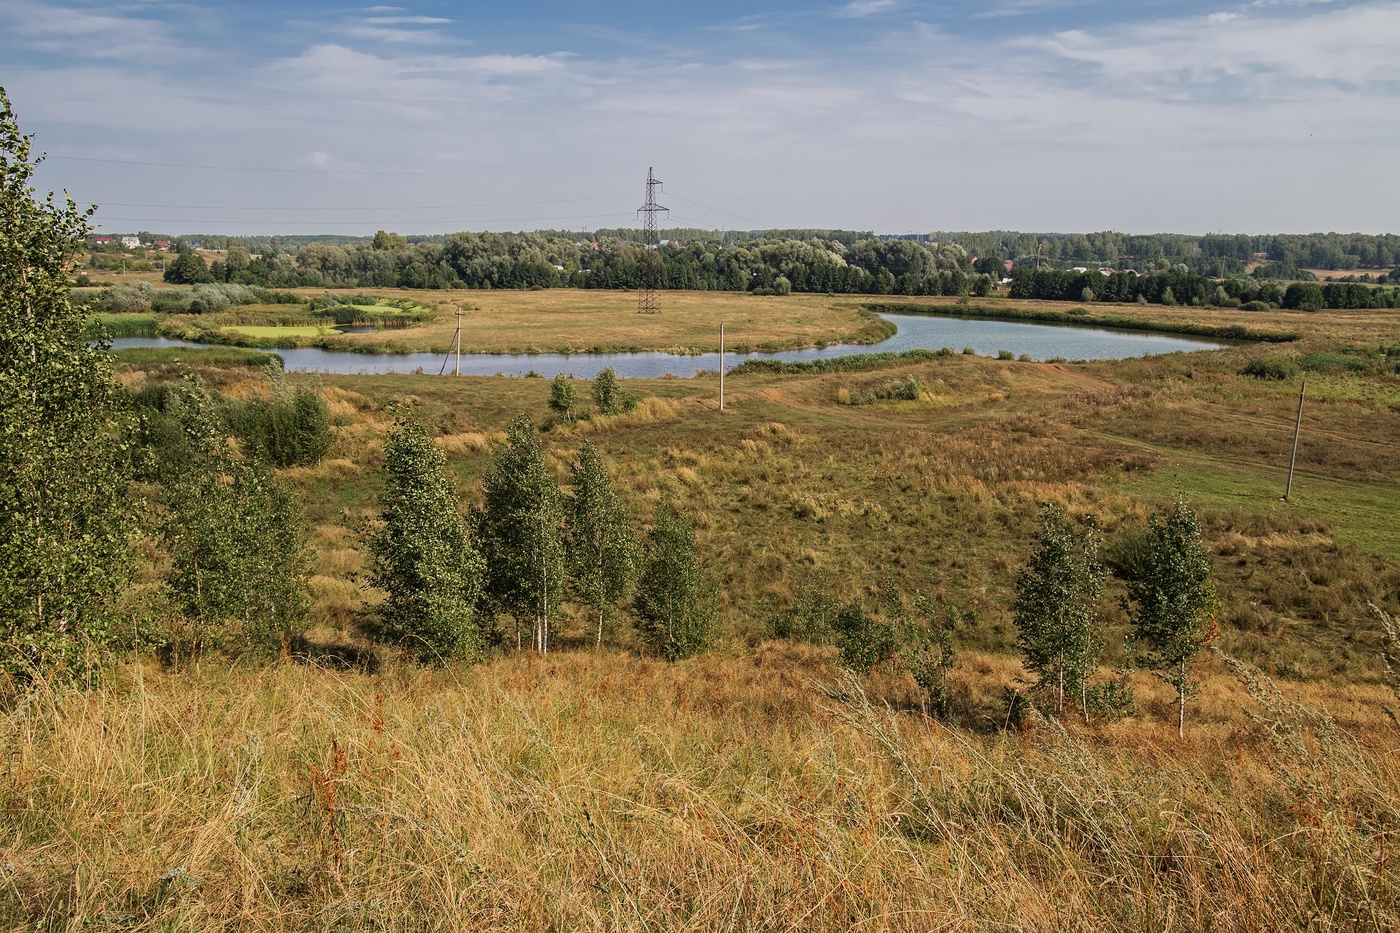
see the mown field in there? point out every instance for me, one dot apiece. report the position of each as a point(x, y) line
point(757, 787)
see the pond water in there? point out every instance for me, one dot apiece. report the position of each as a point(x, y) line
point(916, 331)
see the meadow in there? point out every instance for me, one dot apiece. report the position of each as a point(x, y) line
point(548, 321)
point(758, 786)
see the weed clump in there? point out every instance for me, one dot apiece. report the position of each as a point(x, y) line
point(1276, 366)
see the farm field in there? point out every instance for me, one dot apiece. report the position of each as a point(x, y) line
point(757, 786)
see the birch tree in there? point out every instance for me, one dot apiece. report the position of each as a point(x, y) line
point(521, 531)
point(1056, 607)
point(602, 548)
point(674, 605)
point(422, 554)
point(1172, 601)
point(63, 504)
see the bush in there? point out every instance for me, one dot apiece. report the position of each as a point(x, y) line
point(1005, 355)
point(1277, 366)
point(1256, 306)
point(863, 638)
point(1329, 361)
point(126, 299)
point(289, 429)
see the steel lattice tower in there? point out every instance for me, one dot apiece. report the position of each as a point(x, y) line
point(650, 300)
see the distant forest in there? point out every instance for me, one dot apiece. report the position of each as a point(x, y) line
point(1215, 269)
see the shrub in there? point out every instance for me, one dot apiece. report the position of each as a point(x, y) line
point(1256, 306)
point(1005, 355)
point(863, 638)
point(289, 429)
point(607, 394)
point(126, 299)
point(1277, 366)
point(1325, 360)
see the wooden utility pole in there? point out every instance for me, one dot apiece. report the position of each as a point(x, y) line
point(457, 367)
point(1297, 427)
point(721, 367)
point(457, 346)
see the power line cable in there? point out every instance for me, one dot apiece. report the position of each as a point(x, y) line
point(391, 207)
point(317, 171)
point(353, 223)
point(716, 210)
point(748, 200)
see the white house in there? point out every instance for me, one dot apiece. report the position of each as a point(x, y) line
point(131, 242)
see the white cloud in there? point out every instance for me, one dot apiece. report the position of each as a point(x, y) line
point(70, 30)
point(1187, 123)
point(861, 8)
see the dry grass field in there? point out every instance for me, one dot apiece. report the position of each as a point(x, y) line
point(757, 787)
point(575, 321)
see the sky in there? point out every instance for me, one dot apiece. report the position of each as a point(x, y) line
point(898, 116)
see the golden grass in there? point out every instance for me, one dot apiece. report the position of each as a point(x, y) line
point(738, 791)
point(754, 788)
point(584, 320)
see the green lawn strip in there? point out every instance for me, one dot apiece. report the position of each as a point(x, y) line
point(310, 330)
point(193, 356)
point(122, 325)
point(1360, 514)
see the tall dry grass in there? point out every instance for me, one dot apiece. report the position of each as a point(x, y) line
point(756, 790)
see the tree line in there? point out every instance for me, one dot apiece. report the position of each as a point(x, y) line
point(964, 264)
point(1180, 286)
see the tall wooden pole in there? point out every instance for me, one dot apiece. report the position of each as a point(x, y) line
point(1297, 427)
point(457, 367)
point(721, 367)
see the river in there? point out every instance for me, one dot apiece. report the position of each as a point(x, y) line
point(916, 331)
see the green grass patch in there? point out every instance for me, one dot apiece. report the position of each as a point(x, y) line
point(1332, 361)
point(194, 356)
point(122, 325)
point(1353, 510)
point(273, 332)
point(855, 362)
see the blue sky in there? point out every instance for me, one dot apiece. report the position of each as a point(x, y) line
point(892, 115)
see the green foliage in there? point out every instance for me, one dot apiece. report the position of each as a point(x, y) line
point(865, 639)
point(908, 388)
point(1171, 599)
point(1276, 366)
point(563, 396)
point(422, 555)
point(188, 268)
point(175, 429)
point(601, 547)
point(1056, 611)
point(1304, 296)
point(1332, 361)
point(102, 326)
point(521, 524)
point(239, 556)
point(126, 299)
point(63, 502)
point(675, 615)
point(290, 428)
point(607, 394)
point(928, 656)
